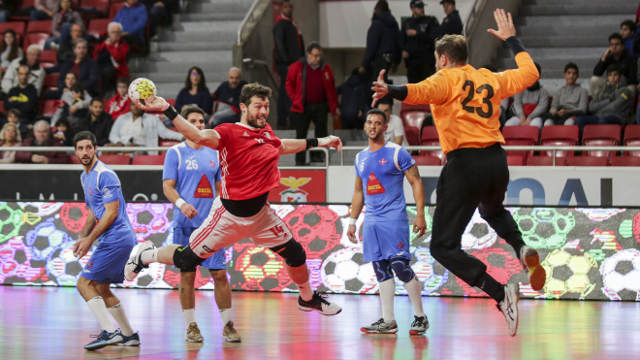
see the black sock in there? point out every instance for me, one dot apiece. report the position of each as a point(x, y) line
point(491, 287)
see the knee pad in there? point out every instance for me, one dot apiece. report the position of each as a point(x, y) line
point(292, 253)
point(382, 269)
point(185, 259)
point(403, 271)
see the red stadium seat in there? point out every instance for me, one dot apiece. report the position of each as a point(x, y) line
point(115, 159)
point(515, 159)
point(18, 26)
point(601, 135)
point(542, 161)
point(632, 138)
point(39, 26)
point(50, 82)
point(427, 160)
point(521, 135)
point(625, 161)
point(115, 7)
point(36, 38)
point(100, 5)
point(586, 161)
point(48, 58)
point(172, 102)
point(429, 137)
point(559, 135)
point(2, 107)
point(148, 159)
point(49, 107)
point(98, 27)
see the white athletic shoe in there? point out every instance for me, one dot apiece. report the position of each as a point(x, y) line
point(509, 307)
point(319, 303)
point(531, 261)
point(134, 264)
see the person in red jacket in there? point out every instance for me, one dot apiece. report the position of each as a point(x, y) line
point(119, 103)
point(111, 56)
point(311, 88)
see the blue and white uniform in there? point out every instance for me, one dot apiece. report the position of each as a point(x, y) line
point(195, 171)
point(102, 186)
point(386, 223)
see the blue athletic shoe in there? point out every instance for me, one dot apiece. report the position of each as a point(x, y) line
point(133, 340)
point(103, 339)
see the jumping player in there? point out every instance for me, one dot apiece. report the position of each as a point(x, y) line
point(189, 171)
point(249, 153)
point(381, 169)
point(465, 104)
point(108, 223)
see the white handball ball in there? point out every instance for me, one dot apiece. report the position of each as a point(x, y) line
point(141, 88)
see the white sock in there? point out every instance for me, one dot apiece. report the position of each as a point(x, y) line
point(305, 291)
point(189, 315)
point(99, 310)
point(225, 315)
point(121, 318)
point(387, 292)
point(149, 256)
point(414, 289)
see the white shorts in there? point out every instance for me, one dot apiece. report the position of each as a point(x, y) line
point(222, 229)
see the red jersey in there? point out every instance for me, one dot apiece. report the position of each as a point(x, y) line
point(248, 160)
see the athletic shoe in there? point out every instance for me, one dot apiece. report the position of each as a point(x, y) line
point(531, 261)
point(103, 339)
point(319, 304)
point(509, 307)
point(230, 334)
point(134, 264)
point(419, 325)
point(381, 327)
point(193, 334)
point(132, 340)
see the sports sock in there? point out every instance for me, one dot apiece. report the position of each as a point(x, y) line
point(189, 315)
point(305, 291)
point(225, 315)
point(99, 310)
point(387, 292)
point(121, 318)
point(491, 287)
point(414, 289)
point(149, 256)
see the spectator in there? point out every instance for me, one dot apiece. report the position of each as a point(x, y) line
point(97, 121)
point(383, 42)
point(9, 136)
point(23, 97)
point(395, 130)
point(61, 24)
point(618, 55)
point(312, 90)
point(571, 99)
point(137, 128)
point(36, 72)
point(64, 133)
point(44, 9)
point(418, 35)
point(451, 24)
point(41, 137)
point(195, 91)
point(83, 66)
point(612, 105)
point(133, 17)
point(353, 100)
point(289, 48)
point(160, 12)
point(9, 50)
point(227, 98)
point(65, 51)
point(627, 32)
point(74, 104)
point(111, 57)
point(530, 105)
point(6, 8)
point(119, 103)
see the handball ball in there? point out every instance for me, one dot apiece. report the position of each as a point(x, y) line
point(141, 88)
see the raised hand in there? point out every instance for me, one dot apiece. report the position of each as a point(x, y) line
point(330, 141)
point(153, 104)
point(506, 29)
point(379, 88)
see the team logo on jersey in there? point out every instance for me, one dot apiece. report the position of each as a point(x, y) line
point(267, 135)
point(204, 189)
point(212, 163)
point(245, 134)
point(374, 186)
point(260, 141)
point(293, 193)
point(383, 161)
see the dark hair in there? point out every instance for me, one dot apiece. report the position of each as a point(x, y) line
point(63, 121)
point(94, 100)
point(313, 45)
point(614, 68)
point(376, 111)
point(382, 6)
point(630, 24)
point(538, 67)
point(202, 85)
point(254, 89)
point(191, 108)
point(77, 88)
point(453, 47)
point(615, 36)
point(14, 111)
point(571, 65)
point(122, 80)
point(84, 135)
point(387, 100)
point(13, 53)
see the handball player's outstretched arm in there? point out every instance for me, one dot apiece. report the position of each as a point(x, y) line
point(292, 146)
point(205, 137)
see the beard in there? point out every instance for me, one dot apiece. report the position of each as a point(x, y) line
point(253, 121)
point(87, 160)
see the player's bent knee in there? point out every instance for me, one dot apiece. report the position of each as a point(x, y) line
point(403, 271)
point(292, 253)
point(382, 268)
point(219, 276)
point(185, 259)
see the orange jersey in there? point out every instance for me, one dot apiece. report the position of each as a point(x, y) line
point(465, 102)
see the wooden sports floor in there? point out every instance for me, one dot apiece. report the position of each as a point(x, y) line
point(54, 323)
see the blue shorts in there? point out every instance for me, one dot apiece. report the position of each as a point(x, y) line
point(181, 237)
point(385, 240)
point(106, 265)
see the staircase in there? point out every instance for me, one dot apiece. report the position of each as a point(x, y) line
point(202, 35)
point(557, 32)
